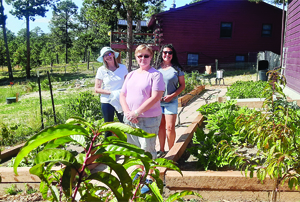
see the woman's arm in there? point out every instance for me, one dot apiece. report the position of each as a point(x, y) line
point(127, 113)
point(123, 103)
point(98, 88)
point(181, 82)
point(155, 97)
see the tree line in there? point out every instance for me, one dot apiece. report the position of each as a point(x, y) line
point(75, 35)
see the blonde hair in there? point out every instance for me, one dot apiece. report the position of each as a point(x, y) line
point(115, 60)
point(144, 47)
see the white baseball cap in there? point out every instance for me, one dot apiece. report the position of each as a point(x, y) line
point(103, 51)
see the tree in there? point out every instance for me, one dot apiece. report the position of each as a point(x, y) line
point(28, 9)
point(91, 34)
point(104, 10)
point(155, 10)
point(2, 22)
point(62, 21)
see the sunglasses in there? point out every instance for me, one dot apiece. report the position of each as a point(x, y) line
point(145, 56)
point(166, 52)
point(107, 54)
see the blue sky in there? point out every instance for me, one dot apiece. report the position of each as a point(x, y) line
point(14, 24)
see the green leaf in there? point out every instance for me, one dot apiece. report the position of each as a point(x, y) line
point(80, 139)
point(67, 181)
point(46, 135)
point(155, 191)
point(58, 142)
point(162, 162)
point(111, 181)
point(57, 155)
point(120, 128)
point(79, 120)
point(178, 195)
point(80, 158)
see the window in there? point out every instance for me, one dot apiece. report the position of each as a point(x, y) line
point(266, 30)
point(240, 58)
point(226, 29)
point(192, 59)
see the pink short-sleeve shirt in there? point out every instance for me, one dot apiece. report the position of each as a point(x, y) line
point(138, 87)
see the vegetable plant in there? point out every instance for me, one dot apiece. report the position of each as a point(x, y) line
point(275, 130)
point(219, 119)
point(73, 180)
point(247, 89)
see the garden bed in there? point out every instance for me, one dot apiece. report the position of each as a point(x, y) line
point(183, 100)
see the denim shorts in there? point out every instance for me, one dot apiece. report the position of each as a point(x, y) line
point(170, 107)
point(149, 125)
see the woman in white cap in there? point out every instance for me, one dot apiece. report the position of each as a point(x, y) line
point(109, 80)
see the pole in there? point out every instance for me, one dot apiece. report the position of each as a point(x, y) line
point(53, 107)
point(41, 103)
point(216, 65)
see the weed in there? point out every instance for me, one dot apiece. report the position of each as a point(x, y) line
point(29, 189)
point(12, 190)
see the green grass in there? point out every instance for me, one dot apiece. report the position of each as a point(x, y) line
point(22, 119)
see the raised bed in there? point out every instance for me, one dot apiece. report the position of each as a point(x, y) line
point(183, 100)
point(252, 102)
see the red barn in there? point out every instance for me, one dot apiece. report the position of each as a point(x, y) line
point(291, 53)
point(228, 30)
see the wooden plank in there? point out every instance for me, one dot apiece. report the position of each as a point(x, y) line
point(183, 100)
point(219, 181)
point(8, 175)
point(11, 151)
point(181, 144)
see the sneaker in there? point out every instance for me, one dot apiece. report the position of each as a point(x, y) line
point(145, 188)
point(161, 154)
point(136, 176)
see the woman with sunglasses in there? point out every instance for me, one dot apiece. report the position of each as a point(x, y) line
point(167, 63)
point(140, 99)
point(109, 80)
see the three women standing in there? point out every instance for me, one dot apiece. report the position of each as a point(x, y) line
point(173, 77)
point(109, 80)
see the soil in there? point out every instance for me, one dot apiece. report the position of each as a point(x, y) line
point(22, 197)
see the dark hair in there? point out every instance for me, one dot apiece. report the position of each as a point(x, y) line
point(174, 60)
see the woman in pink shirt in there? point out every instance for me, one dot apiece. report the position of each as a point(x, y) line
point(140, 99)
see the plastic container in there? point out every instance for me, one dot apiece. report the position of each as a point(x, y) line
point(10, 100)
point(262, 74)
point(220, 74)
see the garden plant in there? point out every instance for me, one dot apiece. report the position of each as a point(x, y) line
point(74, 179)
point(275, 131)
point(247, 89)
point(219, 120)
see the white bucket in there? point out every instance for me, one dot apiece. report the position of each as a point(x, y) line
point(219, 74)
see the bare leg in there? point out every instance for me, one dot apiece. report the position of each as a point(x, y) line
point(162, 133)
point(170, 126)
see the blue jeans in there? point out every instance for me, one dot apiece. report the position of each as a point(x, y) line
point(108, 112)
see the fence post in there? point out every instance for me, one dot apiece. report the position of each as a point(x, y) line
point(53, 107)
point(40, 95)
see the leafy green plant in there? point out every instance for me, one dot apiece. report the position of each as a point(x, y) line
point(12, 190)
point(275, 130)
point(247, 89)
point(219, 119)
point(29, 189)
point(191, 82)
point(74, 178)
point(86, 105)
